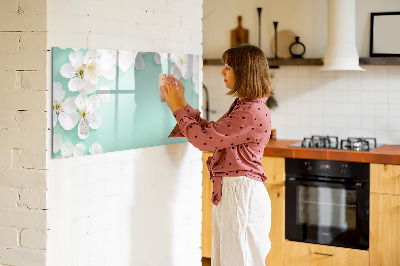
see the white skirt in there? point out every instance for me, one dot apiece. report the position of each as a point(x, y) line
point(241, 223)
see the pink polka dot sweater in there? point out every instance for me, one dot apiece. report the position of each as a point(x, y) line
point(238, 139)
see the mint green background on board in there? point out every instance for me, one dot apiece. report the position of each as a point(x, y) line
point(129, 121)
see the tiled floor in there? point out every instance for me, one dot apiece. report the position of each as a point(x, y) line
point(206, 261)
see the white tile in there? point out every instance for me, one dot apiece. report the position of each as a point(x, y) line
point(316, 72)
point(367, 96)
point(304, 72)
point(368, 110)
point(316, 82)
point(367, 122)
point(382, 136)
point(303, 82)
point(355, 109)
point(381, 97)
point(329, 122)
point(317, 95)
point(342, 133)
point(329, 94)
point(317, 131)
point(394, 137)
point(367, 83)
point(329, 109)
point(394, 97)
point(317, 107)
point(292, 83)
point(342, 122)
point(381, 123)
point(394, 110)
point(381, 110)
point(342, 96)
point(342, 109)
point(291, 71)
point(394, 70)
point(354, 82)
point(355, 132)
point(367, 133)
point(394, 123)
point(355, 96)
point(394, 83)
point(328, 74)
point(380, 71)
point(355, 122)
point(317, 120)
point(342, 81)
point(381, 84)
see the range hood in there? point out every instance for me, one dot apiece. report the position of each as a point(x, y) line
point(341, 51)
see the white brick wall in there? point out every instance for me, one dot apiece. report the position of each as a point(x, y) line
point(23, 128)
point(135, 207)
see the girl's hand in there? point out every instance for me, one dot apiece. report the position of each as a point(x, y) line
point(171, 96)
point(181, 91)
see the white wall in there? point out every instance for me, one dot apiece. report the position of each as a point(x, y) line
point(23, 133)
point(305, 18)
point(135, 207)
point(311, 102)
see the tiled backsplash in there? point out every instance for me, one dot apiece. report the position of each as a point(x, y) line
point(342, 103)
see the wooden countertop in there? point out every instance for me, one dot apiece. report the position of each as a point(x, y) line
point(389, 154)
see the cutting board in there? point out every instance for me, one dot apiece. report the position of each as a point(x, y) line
point(239, 35)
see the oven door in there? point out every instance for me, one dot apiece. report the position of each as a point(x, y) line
point(327, 213)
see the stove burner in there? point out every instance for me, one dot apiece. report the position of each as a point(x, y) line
point(328, 142)
point(332, 142)
point(358, 144)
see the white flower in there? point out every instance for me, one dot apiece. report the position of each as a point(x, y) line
point(182, 67)
point(87, 114)
point(127, 58)
point(159, 58)
point(83, 71)
point(103, 93)
point(196, 74)
point(96, 149)
point(64, 111)
point(57, 142)
point(108, 61)
point(69, 150)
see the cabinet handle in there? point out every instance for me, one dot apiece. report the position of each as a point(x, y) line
point(325, 254)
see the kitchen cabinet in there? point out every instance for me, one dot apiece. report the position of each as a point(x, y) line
point(206, 226)
point(305, 254)
point(385, 214)
point(274, 168)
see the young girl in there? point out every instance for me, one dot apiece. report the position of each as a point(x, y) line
point(242, 208)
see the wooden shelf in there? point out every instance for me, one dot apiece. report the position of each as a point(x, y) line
point(273, 63)
point(380, 61)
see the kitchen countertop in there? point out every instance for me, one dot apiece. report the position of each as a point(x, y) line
point(389, 154)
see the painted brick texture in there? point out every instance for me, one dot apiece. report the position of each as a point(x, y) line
point(23, 132)
point(135, 207)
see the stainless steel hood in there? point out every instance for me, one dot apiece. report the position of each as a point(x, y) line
point(341, 51)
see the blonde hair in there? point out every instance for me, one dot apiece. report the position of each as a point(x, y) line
point(250, 66)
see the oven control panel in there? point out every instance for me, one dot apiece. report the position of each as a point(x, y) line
point(338, 169)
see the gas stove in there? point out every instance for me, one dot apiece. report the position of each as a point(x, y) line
point(332, 142)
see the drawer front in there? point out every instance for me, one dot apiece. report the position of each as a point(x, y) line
point(298, 253)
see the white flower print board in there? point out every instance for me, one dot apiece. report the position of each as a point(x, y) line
point(109, 100)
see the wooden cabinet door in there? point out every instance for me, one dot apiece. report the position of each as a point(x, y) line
point(277, 233)
point(206, 232)
point(305, 254)
point(385, 178)
point(274, 168)
point(384, 236)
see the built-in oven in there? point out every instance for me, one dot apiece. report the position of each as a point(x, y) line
point(327, 202)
